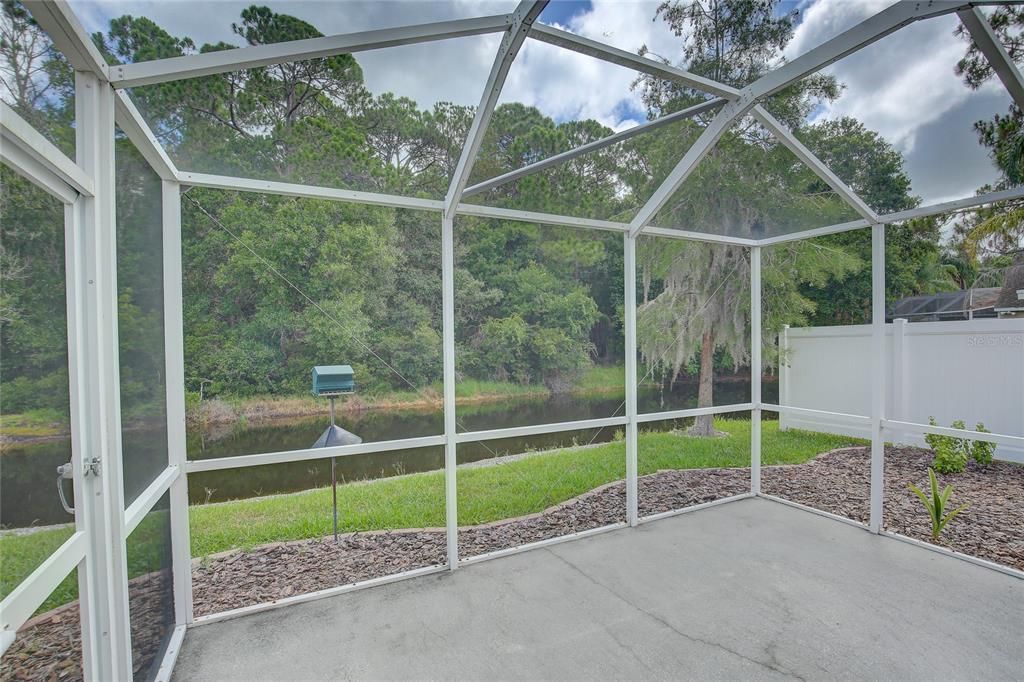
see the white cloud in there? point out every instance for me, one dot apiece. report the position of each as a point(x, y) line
point(903, 86)
point(566, 85)
point(561, 84)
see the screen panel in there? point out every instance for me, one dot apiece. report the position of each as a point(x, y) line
point(140, 288)
point(391, 518)
point(275, 286)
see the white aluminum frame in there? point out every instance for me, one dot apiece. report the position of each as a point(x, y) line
point(87, 188)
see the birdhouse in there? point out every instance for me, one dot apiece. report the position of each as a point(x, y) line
point(331, 380)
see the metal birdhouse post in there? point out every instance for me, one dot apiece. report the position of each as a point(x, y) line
point(331, 381)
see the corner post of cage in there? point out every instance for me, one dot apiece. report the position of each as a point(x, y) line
point(784, 380)
point(91, 614)
point(878, 363)
point(756, 370)
point(174, 371)
point(448, 355)
point(629, 324)
point(99, 389)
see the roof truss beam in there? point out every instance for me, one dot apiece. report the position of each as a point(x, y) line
point(647, 127)
point(863, 34)
point(988, 42)
point(210, 63)
point(614, 55)
point(70, 38)
point(919, 212)
point(522, 19)
point(787, 138)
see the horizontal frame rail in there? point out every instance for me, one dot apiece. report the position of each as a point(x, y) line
point(319, 594)
point(483, 211)
point(18, 132)
point(242, 461)
point(540, 544)
point(807, 412)
point(708, 237)
point(920, 212)
point(18, 606)
point(1008, 570)
point(539, 429)
point(997, 438)
point(694, 507)
point(147, 499)
point(644, 418)
point(290, 189)
point(211, 63)
point(819, 512)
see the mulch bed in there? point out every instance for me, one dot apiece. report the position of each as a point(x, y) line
point(838, 481)
point(49, 646)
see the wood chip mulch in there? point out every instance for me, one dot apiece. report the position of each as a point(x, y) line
point(838, 481)
point(49, 646)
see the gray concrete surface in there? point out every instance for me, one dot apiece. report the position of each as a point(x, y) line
point(747, 590)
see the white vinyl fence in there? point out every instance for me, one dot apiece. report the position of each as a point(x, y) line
point(971, 370)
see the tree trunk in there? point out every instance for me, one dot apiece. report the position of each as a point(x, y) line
point(704, 425)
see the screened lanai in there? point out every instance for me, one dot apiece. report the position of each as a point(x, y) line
point(614, 274)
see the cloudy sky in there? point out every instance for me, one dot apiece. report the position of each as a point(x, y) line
point(903, 86)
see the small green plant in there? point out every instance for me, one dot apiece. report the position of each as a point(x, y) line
point(950, 452)
point(937, 504)
point(981, 451)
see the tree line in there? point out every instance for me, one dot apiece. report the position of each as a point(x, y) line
point(274, 285)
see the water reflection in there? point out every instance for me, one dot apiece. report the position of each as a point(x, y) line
point(28, 496)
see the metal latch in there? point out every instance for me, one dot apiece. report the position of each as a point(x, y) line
point(64, 471)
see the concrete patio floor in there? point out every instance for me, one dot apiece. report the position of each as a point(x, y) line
point(749, 589)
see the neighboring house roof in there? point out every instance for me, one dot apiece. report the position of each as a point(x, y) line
point(947, 305)
point(1009, 300)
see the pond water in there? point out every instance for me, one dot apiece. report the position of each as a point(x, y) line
point(28, 494)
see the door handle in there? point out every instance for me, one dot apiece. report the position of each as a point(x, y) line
point(64, 471)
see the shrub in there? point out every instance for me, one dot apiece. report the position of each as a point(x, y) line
point(981, 451)
point(950, 452)
point(937, 503)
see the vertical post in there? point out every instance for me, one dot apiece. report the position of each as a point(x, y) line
point(174, 371)
point(334, 480)
point(783, 375)
point(877, 374)
point(451, 508)
point(629, 313)
point(755, 369)
point(87, 488)
point(898, 374)
point(99, 382)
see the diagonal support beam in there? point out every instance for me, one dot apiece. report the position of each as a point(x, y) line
point(18, 137)
point(522, 19)
point(69, 36)
point(990, 46)
point(786, 137)
point(614, 55)
point(647, 127)
point(210, 63)
point(694, 155)
point(863, 34)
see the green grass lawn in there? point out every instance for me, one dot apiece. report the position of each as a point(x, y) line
point(486, 494)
